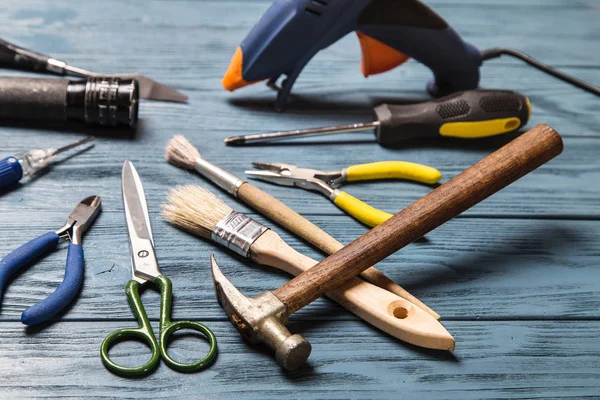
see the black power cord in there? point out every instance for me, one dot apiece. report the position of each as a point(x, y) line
point(497, 52)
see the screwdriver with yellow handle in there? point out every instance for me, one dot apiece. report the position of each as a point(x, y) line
point(467, 115)
point(328, 182)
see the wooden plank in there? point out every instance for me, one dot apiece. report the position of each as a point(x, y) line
point(541, 194)
point(468, 269)
point(524, 359)
point(175, 27)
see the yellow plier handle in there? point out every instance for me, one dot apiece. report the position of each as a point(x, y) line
point(392, 170)
point(360, 210)
point(379, 170)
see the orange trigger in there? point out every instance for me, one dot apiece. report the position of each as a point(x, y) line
point(378, 57)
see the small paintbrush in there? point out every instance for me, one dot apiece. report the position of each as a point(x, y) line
point(198, 211)
point(181, 153)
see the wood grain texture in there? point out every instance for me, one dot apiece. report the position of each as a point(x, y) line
point(490, 175)
point(502, 359)
point(516, 277)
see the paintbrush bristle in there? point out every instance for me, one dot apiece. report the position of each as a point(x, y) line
point(181, 153)
point(195, 209)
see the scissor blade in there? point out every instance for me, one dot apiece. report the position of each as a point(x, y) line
point(150, 89)
point(141, 244)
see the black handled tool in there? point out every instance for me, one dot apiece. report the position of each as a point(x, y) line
point(99, 100)
point(16, 57)
point(470, 114)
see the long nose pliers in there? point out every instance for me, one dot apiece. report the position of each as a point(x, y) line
point(80, 219)
point(328, 182)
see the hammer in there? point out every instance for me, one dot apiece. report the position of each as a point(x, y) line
point(263, 318)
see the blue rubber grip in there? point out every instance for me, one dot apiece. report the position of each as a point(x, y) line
point(25, 255)
point(10, 171)
point(64, 293)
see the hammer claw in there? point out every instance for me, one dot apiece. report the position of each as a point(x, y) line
point(230, 299)
point(260, 319)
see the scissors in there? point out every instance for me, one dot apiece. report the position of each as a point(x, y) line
point(145, 269)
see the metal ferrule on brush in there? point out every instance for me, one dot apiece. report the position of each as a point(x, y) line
point(219, 176)
point(237, 232)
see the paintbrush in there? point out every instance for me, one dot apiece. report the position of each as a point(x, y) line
point(181, 153)
point(198, 211)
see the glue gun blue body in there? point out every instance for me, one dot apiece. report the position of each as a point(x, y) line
point(291, 32)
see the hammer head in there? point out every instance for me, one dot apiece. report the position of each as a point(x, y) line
point(261, 319)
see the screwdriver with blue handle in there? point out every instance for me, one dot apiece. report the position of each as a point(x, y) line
point(467, 115)
point(15, 168)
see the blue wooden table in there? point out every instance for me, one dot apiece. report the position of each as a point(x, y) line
point(516, 278)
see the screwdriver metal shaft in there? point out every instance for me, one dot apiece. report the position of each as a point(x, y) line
point(72, 145)
point(263, 137)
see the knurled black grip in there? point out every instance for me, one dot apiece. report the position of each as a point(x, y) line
point(108, 101)
point(469, 114)
point(31, 98)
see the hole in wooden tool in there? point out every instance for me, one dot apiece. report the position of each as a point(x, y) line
point(512, 124)
point(400, 312)
point(398, 309)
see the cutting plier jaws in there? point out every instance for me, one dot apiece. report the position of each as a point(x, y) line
point(290, 175)
point(80, 219)
point(327, 183)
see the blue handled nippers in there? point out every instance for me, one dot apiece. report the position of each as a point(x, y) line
point(80, 219)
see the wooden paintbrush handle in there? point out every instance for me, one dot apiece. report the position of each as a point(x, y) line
point(494, 172)
point(276, 211)
point(379, 307)
point(271, 250)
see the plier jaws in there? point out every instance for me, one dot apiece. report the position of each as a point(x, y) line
point(327, 183)
point(290, 175)
point(80, 219)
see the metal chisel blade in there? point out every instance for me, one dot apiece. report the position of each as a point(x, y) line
point(150, 89)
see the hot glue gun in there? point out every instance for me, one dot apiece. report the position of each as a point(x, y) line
point(291, 32)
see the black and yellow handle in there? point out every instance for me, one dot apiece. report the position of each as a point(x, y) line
point(468, 115)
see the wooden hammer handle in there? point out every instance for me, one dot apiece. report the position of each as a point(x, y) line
point(276, 211)
point(494, 172)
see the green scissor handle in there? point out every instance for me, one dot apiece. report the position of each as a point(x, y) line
point(145, 333)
